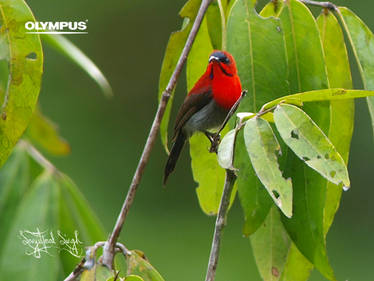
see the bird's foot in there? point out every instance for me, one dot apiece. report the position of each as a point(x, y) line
point(215, 140)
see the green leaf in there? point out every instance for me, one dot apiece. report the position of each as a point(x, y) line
point(42, 202)
point(73, 53)
point(362, 42)
point(335, 94)
point(310, 144)
point(262, 147)
point(44, 133)
point(297, 266)
point(305, 228)
point(213, 18)
point(226, 150)
point(76, 219)
point(15, 179)
point(133, 278)
point(25, 57)
point(341, 111)
point(272, 9)
point(174, 48)
point(137, 264)
point(208, 173)
point(270, 244)
point(36, 214)
point(258, 46)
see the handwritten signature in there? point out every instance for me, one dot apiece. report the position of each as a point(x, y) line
point(40, 242)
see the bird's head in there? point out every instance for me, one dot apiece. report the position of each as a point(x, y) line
point(224, 61)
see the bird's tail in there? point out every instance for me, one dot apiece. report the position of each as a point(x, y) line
point(174, 155)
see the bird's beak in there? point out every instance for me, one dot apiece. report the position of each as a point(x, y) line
point(213, 58)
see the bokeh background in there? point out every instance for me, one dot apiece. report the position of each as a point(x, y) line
point(127, 40)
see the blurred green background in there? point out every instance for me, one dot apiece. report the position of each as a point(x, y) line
point(127, 40)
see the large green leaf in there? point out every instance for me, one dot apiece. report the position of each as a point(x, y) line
point(333, 95)
point(341, 112)
point(15, 180)
point(29, 252)
point(362, 42)
point(24, 54)
point(138, 264)
point(174, 48)
point(72, 52)
point(310, 144)
point(38, 198)
point(76, 219)
point(306, 68)
point(270, 244)
point(258, 46)
point(263, 147)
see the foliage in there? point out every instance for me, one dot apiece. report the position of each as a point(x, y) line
point(286, 56)
point(289, 144)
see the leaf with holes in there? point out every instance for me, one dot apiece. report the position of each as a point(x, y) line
point(305, 228)
point(23, 52)
point(258, 46)
point(263, 147)
point(310, 144)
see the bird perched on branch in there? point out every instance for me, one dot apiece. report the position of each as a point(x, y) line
point(207, 104)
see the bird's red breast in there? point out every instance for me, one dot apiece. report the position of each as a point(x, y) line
point(222, 80)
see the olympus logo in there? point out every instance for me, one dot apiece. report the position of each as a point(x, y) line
point(58, 27)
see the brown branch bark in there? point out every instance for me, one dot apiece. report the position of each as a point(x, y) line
point(326, 5)
point(220, 224)
point(109, 248)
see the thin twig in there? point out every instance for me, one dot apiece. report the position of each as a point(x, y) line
point(77, 271)
point(37, 156)
point(220, 224)
point(109, 248)
point(326, 5)
point(216, 137)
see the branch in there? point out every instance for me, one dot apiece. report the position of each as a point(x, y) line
point(326, 5)
point(109, 248)
point(220, 224)
point(216, 138)
point(77, 271)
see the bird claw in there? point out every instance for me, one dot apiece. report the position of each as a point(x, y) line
point(214, 143)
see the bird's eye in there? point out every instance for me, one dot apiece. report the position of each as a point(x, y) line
point(225, 60)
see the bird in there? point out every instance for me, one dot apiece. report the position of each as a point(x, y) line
point(206, 105)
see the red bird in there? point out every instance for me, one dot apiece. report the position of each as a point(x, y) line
point(207, 104)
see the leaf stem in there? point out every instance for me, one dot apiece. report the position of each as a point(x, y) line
point(223, 24)
point(326, 5)
point(220, 224)
point(109, 247)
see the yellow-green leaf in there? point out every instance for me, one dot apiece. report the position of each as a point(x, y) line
point(137, 264)
point(262, 147)
point(44, 133)
point(25, 57)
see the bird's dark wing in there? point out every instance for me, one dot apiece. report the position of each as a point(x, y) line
point(192, 104)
